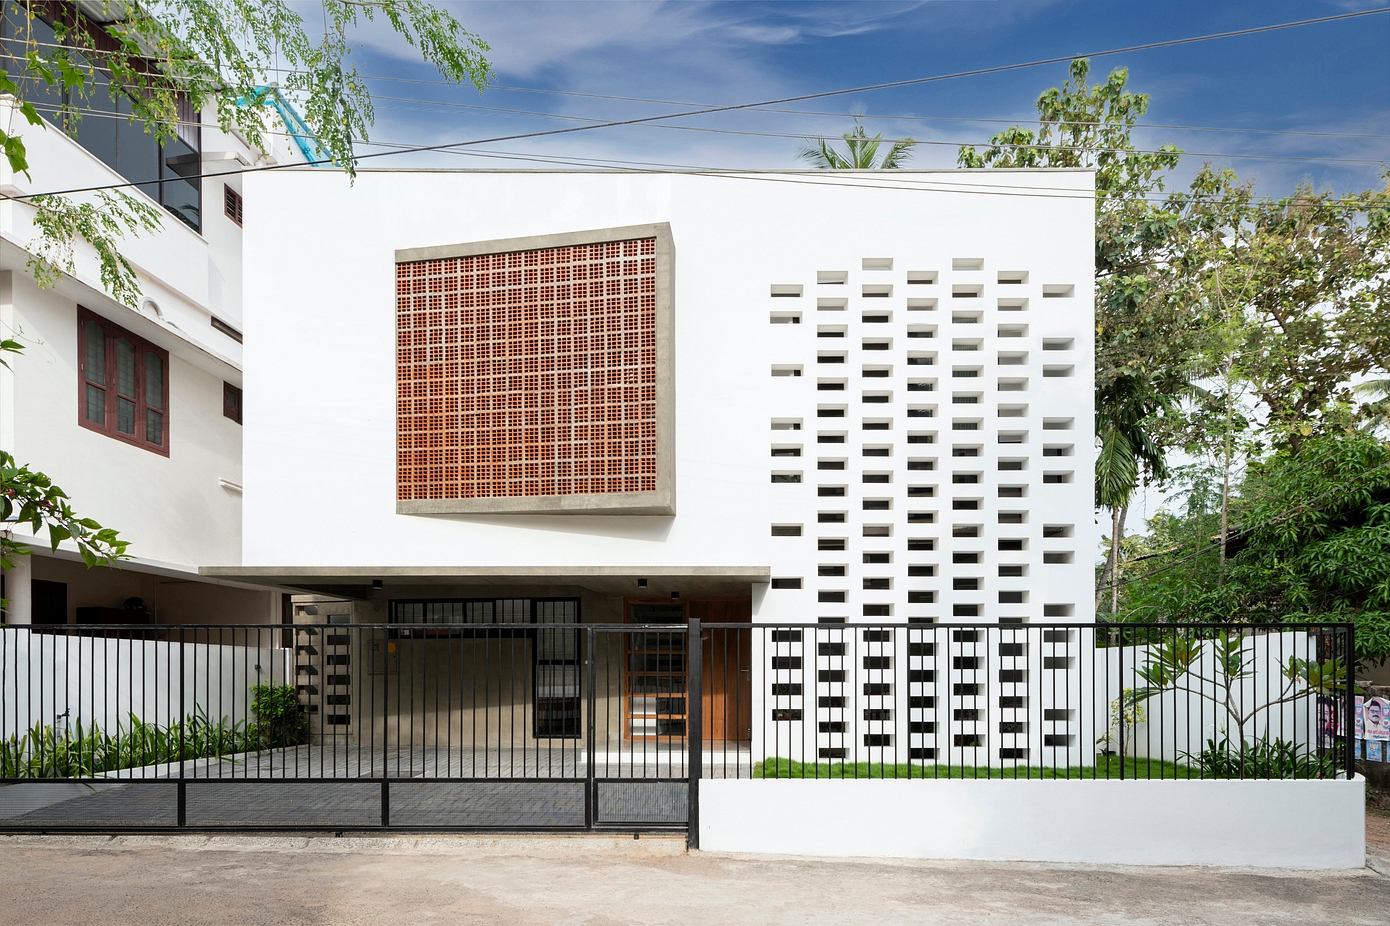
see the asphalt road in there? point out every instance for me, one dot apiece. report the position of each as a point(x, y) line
point(606, 880)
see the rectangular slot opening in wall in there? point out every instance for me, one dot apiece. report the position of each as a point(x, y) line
point(1058, 343)
point(830, 437)
point(1057, 530)
point(879, 317)
point(786, 424)
point(877, 344)
point(782, 290)
point(832, 277)
point(921, 277)
point(1013, 385)
point(786, 369)
point(1011, 544)
point(830, 411)
point(1057, 450)
point(830, 570)
point(1012, 570)
point(786, 530)
point(1058, 371)
point(1058, 290)
point(876, 263)
point(830, 517)
point(1013, 331)
point(1057, 478)
point(967, 263)
point(786, 583)
point(785, 318)
point(876, 424)
point(878, 530)
point(1012, 277)
point(1013, 517)
point(966, 344)
point(876, 372)
point(920, 464)
point(1057, 557)
point(1058, 424)
point(830, 385)
point(965, 372)
point(831, 305)
point(830, 331)
point(1013, 358)
point(965, 398)
point(830, 491)
point(966, 318)
point(877, 450)
point(786, 450)
point(967, 291)
point(921, 385)
point(1012, 305)
point(1013, 411)
point(919, 358)
point(876, 290)
point(1013, 437)
point(876, 398)
point(921, 305)
point(826, 356)
point(1012, 464)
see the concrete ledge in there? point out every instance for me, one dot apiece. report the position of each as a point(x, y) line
point(1256, 824)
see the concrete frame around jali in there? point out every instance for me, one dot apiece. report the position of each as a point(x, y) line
point(661, 501)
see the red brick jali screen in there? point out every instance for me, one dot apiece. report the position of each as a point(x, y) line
point(528, 373)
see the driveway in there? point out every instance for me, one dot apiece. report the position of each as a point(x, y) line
point(604, 880)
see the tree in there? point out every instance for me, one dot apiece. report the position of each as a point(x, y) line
point(158, 63)
point(163, 61)
point(1311, 542)
point(1307, 282)
point(1146, 332)
point(861, 152)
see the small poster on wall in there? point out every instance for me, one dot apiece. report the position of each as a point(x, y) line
point(1375, 751)
point(1373, 719)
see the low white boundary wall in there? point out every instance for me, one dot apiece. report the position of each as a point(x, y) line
point(1264, 824)
point(58, 678)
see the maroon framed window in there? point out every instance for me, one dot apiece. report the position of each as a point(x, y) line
point(231, 203)
point(231, 402)
point(123, 384)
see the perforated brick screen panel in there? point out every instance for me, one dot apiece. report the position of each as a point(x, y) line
point(527, 374)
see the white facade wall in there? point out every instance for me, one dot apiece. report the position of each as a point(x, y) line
point(954, 301)
point(321, 328)
point(178, 511)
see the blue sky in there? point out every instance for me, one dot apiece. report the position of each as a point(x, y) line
point(1332, 78)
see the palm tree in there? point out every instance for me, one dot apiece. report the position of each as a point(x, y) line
point(1376, 393)
point(860, 154)
point(1125, 414)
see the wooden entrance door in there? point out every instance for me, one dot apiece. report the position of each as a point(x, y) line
point(726, 664)
point(655, 670)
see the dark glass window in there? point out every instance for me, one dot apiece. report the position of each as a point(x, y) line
point(124, 383)
point(127, 148)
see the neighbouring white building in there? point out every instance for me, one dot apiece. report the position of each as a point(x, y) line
point(784, 398)
point(135, 412)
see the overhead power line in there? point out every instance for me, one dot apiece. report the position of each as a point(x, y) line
point(804, 136)
point(903, 181)
point(919, 117)
point(886, 85)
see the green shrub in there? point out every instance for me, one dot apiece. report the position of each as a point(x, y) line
point(280, 718)
point(1260, 759)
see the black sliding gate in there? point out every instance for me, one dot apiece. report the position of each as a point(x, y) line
point(453, 721)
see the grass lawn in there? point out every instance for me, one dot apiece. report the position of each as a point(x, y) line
point(1109, 767)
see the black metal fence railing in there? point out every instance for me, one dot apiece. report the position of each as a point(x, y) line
point(547, 723)
point(1123, 701)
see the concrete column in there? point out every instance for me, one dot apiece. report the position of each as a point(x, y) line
point(18, 594)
